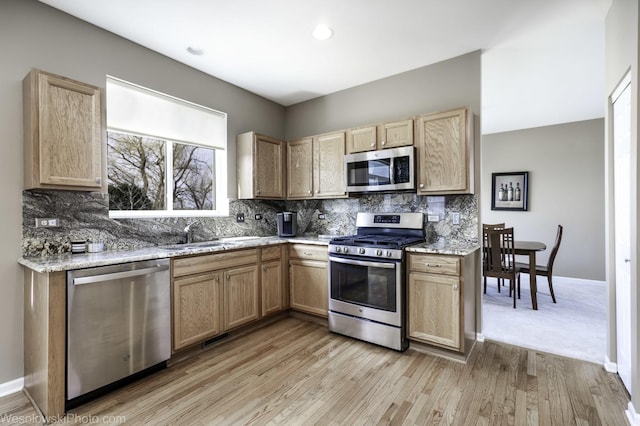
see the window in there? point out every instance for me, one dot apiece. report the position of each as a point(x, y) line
point(166, 157)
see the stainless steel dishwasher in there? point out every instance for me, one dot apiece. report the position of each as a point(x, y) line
point(118, 323)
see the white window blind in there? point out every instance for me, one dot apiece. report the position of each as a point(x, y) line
point(138, 110)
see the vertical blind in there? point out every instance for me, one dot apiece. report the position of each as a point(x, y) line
point(138, 110)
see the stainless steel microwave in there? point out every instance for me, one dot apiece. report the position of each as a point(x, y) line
point(382, 170)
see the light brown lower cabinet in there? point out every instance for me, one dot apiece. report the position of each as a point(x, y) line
point(196, 308)
point(434, 310)
point(441, 299)
point(308, 279)
point(213, 293)
point(241, 296)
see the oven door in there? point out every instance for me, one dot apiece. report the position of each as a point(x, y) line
point(366, 289)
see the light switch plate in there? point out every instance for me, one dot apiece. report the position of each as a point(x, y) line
point(240, 218)
point(42, 222)
point(455, 218)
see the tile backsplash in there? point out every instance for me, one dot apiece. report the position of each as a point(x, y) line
point(85, 216)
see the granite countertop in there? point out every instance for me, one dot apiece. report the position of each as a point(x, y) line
point(444, 248)
point(69, 261)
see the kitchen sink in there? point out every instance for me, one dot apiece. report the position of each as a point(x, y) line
point(238, 239)
point(192, 246)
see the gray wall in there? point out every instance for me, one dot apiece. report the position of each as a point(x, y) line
point(445, 85)
point(566, 174)
point(35, 35)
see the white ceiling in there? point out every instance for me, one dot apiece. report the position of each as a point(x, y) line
point(542, 60)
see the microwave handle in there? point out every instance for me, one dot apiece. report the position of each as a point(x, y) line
point(392, 174)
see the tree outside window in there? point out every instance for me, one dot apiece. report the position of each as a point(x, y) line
point(138, 169)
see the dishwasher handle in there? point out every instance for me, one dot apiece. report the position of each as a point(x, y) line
point(118, 275)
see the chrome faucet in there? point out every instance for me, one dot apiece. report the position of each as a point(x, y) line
point(187, 231)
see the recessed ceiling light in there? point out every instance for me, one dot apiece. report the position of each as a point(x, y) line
point(322, 32)
point(195, 51)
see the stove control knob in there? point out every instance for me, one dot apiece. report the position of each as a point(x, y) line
point(378, 252)
point(338, 249)
point(361, 250)
point(388, 253)
point(345, 250)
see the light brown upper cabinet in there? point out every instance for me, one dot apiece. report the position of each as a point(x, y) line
point(260, 166)
point(300, 168)
point(64, 134)
point(445, 153)
point(381, 136)
point(315, 167)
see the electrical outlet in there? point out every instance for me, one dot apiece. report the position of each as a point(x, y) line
point(240, 217)
point(455, 218)
point(46, 222)
point(258, 216)
point(321, 216)
point(433, 218)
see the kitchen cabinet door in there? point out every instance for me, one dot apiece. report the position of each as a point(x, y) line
point(362, 139)
point(260, 166)
point(434, 309)
point(196, 309)
point(272, 294)
point(64, 135)
point(241, 296)
point(445, 153)
point(329, 178)
point(397, 133)
point(309, 286)
point(300, 168)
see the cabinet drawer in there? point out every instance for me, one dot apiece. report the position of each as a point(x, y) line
point(270, 253)
point(449, 265)
point(303, 251)
point(209, 262)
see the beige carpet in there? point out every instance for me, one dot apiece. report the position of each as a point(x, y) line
point(575, 326)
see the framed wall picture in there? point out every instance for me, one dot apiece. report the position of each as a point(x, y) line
point(510, 191)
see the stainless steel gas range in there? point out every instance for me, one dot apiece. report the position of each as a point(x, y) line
point(367, 288)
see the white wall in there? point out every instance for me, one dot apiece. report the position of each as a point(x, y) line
point(566, 187)
point(622, 51)
point(35, 35)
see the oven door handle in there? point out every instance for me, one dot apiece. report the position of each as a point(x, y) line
point(385, 265)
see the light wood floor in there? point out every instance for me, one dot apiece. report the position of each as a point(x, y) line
point(295, 372)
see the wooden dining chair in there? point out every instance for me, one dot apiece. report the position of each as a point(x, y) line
point(544, 270)
point(501, 258)
point(488, 227)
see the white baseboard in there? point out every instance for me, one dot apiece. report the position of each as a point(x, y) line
point(570, 280)
point(610, 367)
point(13, 386)
point(581, 281)
point(632, 415)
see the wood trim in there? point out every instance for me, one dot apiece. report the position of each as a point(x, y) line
point(44, 340)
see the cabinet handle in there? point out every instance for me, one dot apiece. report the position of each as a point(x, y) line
point(422, 185)
point(258, 191)
point(455, 287)
point(308, 192)
point(98, 181)
point(433, 265)
point(264, 269)
point(627, 261)
point(373, 144)
point(228, 277)
point(306, 253)
point(217, 278)
point(384, 143)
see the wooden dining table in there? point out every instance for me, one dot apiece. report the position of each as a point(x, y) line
point(530, 248)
